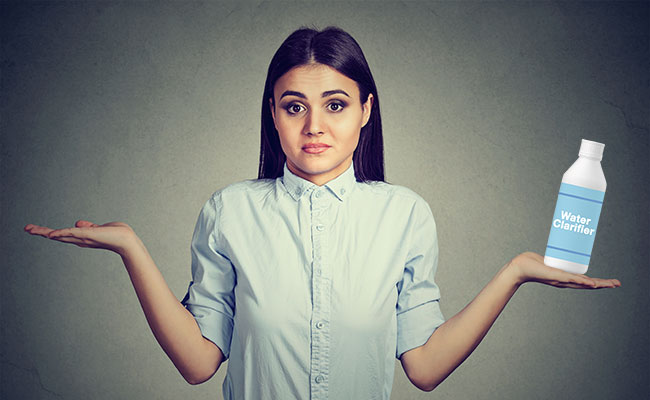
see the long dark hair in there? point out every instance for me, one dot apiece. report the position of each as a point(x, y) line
point(335, 48)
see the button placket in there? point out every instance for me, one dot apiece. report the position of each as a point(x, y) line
point(319, 370)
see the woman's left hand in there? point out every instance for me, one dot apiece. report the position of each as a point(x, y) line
point(530, 267)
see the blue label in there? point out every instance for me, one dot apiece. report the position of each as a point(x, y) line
point(575, 220)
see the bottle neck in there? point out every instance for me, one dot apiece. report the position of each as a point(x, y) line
point(589, 158)
point(586, 172)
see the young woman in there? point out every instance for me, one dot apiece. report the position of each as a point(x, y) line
point(314, 277)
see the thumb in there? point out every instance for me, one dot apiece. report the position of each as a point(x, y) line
point(84, 224)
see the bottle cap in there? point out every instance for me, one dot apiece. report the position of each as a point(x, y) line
point(591, 149)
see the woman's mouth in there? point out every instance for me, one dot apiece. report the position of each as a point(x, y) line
point(315, 148)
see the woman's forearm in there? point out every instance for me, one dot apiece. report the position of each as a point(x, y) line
point(455, 339)
point(195, 357)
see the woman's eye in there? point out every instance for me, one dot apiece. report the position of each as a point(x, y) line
point(336, 107)
point(294, 108)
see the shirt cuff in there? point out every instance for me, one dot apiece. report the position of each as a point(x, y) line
point(415, 326)
point(214, 326)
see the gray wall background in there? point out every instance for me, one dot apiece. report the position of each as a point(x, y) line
point(138, 111)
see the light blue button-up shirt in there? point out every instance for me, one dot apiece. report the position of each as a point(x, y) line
point(311, 292)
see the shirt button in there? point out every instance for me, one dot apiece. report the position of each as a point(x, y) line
point(320, 325)
point(342, 191)
point(320, 227)
point(319, 194)
point(319, 378)
point(318, 272)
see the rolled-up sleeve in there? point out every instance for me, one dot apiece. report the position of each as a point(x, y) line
point(210, 296)
point(418, 302)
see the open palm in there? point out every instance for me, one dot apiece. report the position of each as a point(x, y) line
point(113, 236)
point(531, 268)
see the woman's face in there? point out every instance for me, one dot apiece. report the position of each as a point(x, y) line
point(319, 116)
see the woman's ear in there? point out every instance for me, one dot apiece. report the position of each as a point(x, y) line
point(367, 107)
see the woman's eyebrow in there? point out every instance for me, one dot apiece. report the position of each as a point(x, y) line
point(293, 93)
point(331, 92)
point(324, 94)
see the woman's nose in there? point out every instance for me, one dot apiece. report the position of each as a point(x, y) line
point(314, 123)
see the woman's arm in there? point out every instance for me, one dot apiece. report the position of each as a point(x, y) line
point(451, 343)
point(176, 330)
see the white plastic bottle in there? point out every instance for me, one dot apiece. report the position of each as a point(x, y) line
point(577, 211)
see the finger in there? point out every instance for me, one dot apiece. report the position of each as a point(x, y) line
point(580, 284)
point(596, 283)
point(586, 281)
point(601, 284)
point(614, 282)
point(608, 282)
point(37, 230)
point(583, 286)
point(568, 277)
point(67, 232)
point(31, 227)
point(85, 224)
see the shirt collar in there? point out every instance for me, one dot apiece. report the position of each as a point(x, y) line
point(341, 186)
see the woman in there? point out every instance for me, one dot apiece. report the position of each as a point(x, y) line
point(312, 278)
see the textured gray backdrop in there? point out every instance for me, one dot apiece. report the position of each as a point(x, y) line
point(138, 111)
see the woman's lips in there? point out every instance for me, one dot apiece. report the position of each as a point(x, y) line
point(315, 148)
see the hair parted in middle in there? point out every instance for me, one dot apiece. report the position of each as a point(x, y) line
point(337, 49)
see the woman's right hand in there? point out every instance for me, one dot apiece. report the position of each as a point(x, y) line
point(113, 236)
point(173, 326)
